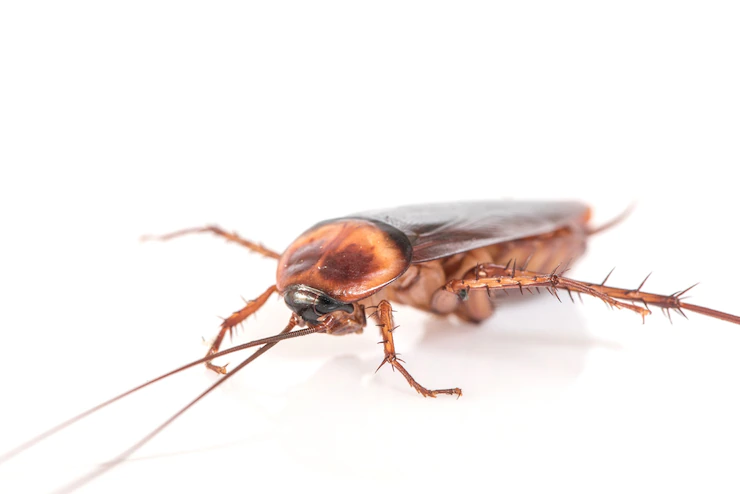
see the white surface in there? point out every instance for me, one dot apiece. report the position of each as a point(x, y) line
point(155, 116)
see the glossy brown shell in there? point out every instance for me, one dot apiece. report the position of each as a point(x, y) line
point(348, 259)
point(352, 258)
point(444, 229)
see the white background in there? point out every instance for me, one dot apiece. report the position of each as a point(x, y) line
point(153, 116)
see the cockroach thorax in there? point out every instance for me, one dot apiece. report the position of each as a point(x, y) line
point(346, 259)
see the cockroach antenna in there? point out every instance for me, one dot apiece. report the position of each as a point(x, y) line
point(268, 343)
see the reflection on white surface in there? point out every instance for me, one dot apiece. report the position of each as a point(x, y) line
point(575, 391)
point(341, 418)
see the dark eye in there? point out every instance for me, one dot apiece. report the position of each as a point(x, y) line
point(325, 305)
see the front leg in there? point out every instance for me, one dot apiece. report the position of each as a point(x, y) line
point(234, 320)
point(384, 317)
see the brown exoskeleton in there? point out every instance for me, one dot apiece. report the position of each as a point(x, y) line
point(442, 258)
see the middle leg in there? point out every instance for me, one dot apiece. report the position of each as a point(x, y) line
point(384, 317)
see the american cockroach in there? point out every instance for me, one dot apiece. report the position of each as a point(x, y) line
point(445, 259)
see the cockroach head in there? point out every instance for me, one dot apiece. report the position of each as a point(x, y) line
point(311, 304)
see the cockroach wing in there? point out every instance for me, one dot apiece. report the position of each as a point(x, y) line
point(444, 229)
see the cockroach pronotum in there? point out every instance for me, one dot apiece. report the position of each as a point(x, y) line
point(445, 259)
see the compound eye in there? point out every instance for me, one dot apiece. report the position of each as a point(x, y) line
point(310, 315)
point(326, 305)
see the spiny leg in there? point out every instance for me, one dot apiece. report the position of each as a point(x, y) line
point(665, 302)
point(230, 237)
point(384, 317)
point(232, 321)
point(492, 277)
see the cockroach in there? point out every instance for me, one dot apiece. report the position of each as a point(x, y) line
point(445, 259)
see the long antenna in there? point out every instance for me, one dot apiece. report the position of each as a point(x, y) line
point(104, 467)
point(269, 342)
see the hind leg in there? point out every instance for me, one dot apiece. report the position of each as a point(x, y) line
point(491, 277)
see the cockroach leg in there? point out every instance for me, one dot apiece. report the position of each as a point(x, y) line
point(384, 316)
point(500, 278)
point(218, 231)
point(233, 320)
